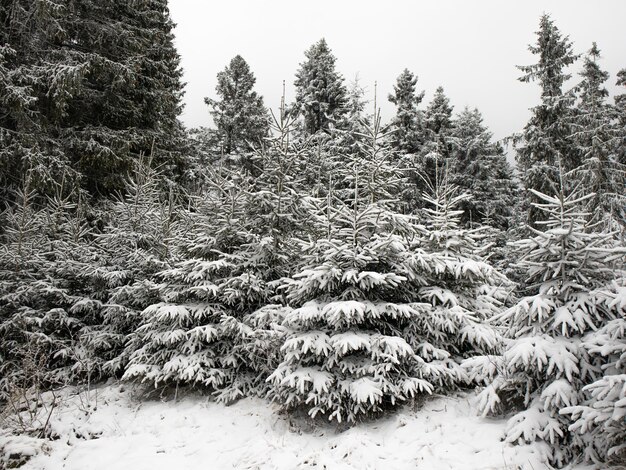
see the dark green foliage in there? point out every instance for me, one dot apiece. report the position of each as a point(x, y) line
point(91, 85)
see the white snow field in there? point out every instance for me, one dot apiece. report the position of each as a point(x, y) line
point(121, 432)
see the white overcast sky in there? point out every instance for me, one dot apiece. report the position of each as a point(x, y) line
point(471, 48)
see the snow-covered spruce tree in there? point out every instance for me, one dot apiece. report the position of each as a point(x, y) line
point(209, 328)
point(408, 135)
point(478, 166)
point(546, 361)
point(321, 96)
point(46, 301)
point(347, 134)
point(620, 105)
point(239, 115)
point(433, 156)
point(461, 289)
point(601, 416)
point(26, 30)
point(343, 357)
point(101, 86)
point(358, 338)
point(595, 135)
point(546, 137)
point(139, 238)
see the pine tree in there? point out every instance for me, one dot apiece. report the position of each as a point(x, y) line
point(438, 125)
point(545, 361)
point(46, 299)
point(240, 116)
point(601, 414)
point(545, 139)
point(620, 104)
point(141, 230)
point(321, 96)
point(460, 287)
point(27, 28)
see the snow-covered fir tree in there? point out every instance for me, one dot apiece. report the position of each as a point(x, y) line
point(321, 96)
point(239, 115)
point(102, 86)
point(620, 104)
point(546, 137)
point(407, 122)
point(462, 290)
point(435, 151)
point(210, 328)
point(546, 362)
point(478, 166)
point(369, 329)
point(595, 135)
point(142, 228)
point(601, 415)
point(47, 300)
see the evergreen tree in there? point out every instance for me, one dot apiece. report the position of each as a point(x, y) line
point(432, 159)
point(545, 361)
point(620, 104)
point(479, 167)
point(601, 414)
point(371, 328)
point(321, 96)
point(27, 28)
point(47, 301)
point(240, 116)
point(595, 134)
point(210, 327)
point(408, 135)
point(351, 129)
point(546, 137)
point(102, 87)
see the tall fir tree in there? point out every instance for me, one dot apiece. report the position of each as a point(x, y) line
point(321, 96)
point(240, 116)
point(594, 134)
point(432, 159)
point(546, 137)
point(479, 167)
point(407, 122)
point(209, 328)
point(620, 104)
point(103, 86)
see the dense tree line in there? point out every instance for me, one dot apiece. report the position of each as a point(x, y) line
point(314, 255)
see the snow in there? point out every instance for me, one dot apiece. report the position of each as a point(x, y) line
point(110, 428)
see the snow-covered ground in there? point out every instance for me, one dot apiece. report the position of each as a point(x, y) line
point(111, 429)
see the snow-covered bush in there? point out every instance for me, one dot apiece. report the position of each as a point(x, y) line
point(548, 360)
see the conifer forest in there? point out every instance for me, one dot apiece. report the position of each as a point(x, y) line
point(311, 257)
